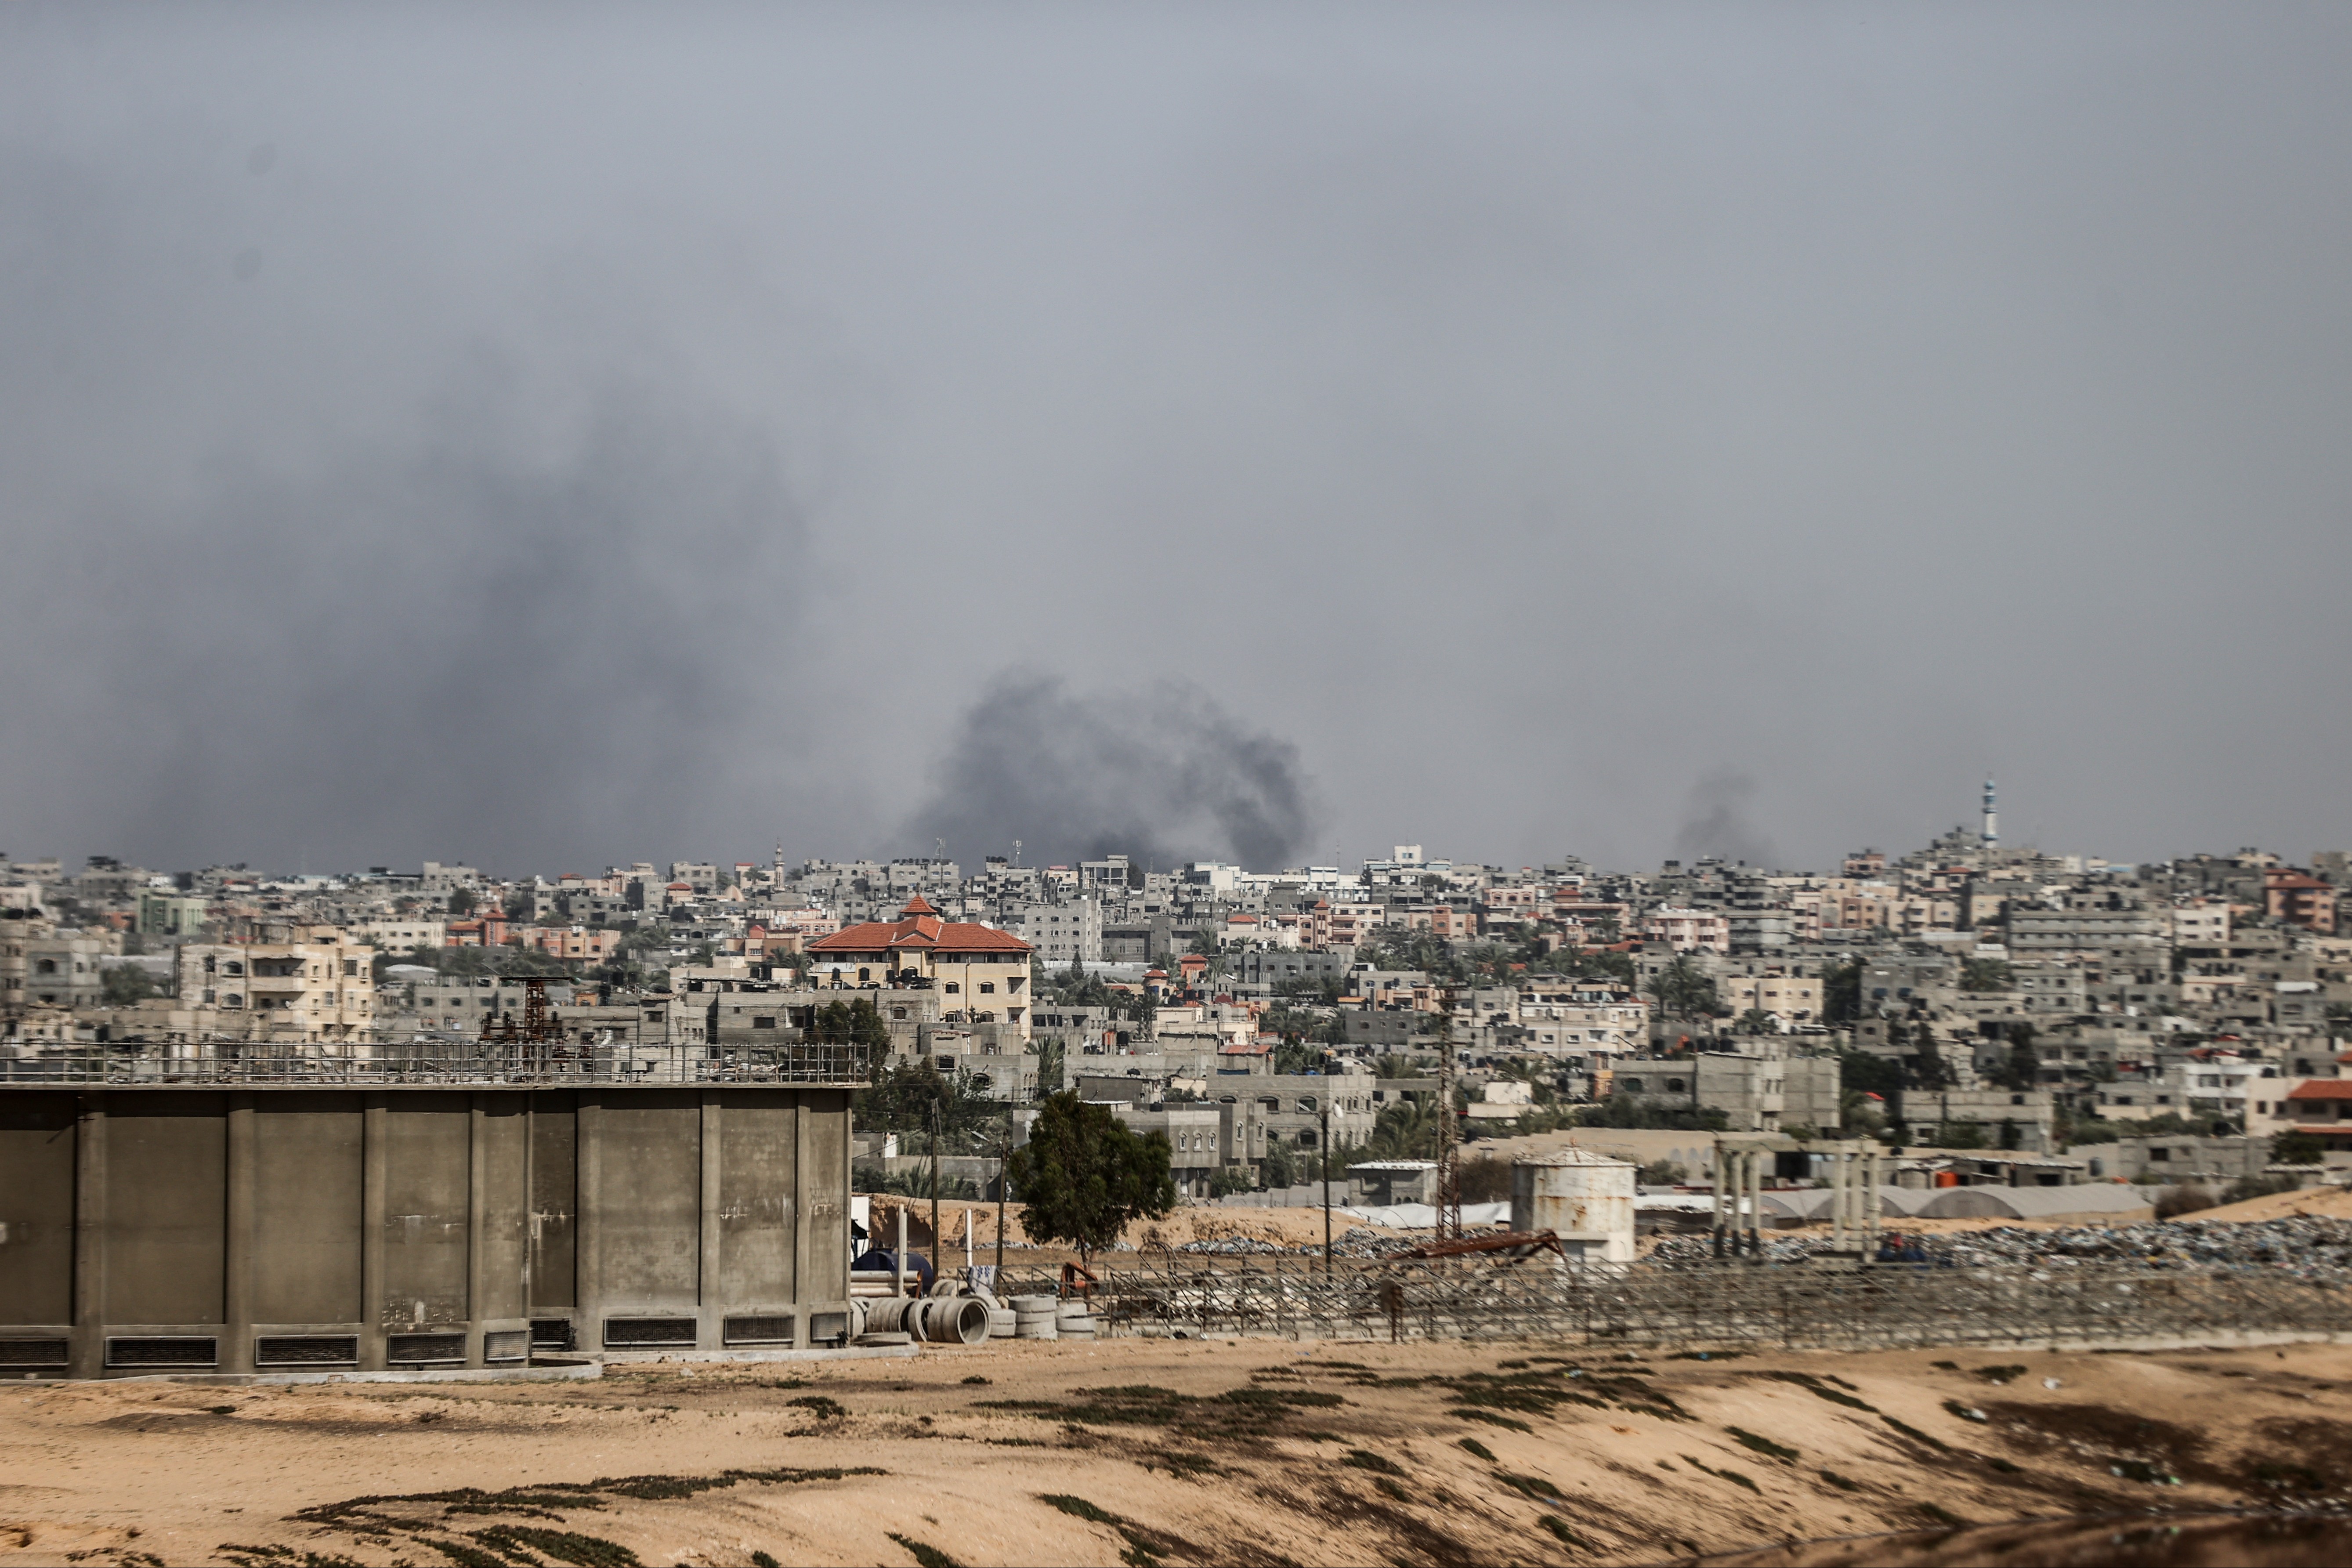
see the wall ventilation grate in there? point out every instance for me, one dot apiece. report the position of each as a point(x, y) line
point(409, 1349)
point(306, 1350)
point(163, 1351)
point(767, 1331)
point(32, 1353)
point(624, 1332)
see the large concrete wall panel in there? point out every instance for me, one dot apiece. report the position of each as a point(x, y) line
point(37, 1208)
point(650, 1200)
point(758, 1199)
point(554, 1200)
point(166, 1208)
point(307, 1175)
point(504, 1180)
point(825, 1203)
point(428, 1175)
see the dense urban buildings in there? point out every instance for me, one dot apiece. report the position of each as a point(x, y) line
point(2056, 1017)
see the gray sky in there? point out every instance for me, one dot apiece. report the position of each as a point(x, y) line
point(545, 436)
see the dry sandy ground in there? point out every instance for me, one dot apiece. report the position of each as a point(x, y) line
point(1143, 1451)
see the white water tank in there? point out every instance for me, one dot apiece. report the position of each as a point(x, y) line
point(1585, 1199)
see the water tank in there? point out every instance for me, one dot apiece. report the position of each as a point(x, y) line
point(1585, 1199)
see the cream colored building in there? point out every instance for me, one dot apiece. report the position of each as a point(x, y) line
point(317, 986)
point(982, 975)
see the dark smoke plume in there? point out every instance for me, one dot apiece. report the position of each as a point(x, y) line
point(1716, 823)
point(1162, 775)
point(531, 641)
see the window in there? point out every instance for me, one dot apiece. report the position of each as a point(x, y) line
point(759, 1022)
point(953, 988)
point(864, 975)
point(988, 987)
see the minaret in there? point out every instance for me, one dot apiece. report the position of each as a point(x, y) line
point(1991, 819)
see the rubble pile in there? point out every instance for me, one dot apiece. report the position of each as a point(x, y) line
point(2313, 1248)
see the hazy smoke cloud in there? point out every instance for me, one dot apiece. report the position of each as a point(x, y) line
point(1715, 821)
point(525, 640)
point(1163, 775)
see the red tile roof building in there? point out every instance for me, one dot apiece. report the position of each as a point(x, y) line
point(982, 974)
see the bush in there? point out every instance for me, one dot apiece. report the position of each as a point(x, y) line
point(1661, 1173)
point(2175, 1201)
point(2297, 1149)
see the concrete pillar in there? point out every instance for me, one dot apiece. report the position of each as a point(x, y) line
point(709, 1328)
point(1722, 1175)
point(1837, 1200)
point(587, 1226)
point(478, 1175)
point(238, 1240)
point(375, 1130)
point(804, 1181)
point(1755, 1203)
point(88, 1350)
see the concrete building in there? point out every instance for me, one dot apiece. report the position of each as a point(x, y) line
point(240, 1227)
point(169, 914)
point(982, 974)
point(1754, 1094)
point(312, 987)
point(1063, 934)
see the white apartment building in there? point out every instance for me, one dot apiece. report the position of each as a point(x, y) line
point(1063, 933)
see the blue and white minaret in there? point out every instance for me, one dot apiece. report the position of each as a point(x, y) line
point(1992, 818)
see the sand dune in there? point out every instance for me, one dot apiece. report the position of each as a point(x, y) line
point(1253, 1452)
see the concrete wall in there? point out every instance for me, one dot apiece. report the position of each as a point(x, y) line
point(158, 1229)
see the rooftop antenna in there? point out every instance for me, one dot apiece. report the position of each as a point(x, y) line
point(1016, 852)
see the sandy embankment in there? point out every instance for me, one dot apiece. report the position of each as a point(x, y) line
point(1254, 1452)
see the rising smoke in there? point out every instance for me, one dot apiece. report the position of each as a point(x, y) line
point(1163, 775)
point(1716, 822)
point(529, 642)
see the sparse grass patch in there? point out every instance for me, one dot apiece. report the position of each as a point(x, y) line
point(1998, 1373)
point(1965, 1413)
point(564, 1545)
point(761, 1560)
point(1814, 1386)
point(1839, 1481)
point(1733, 1476)
point(1535, 1487)
point(1941, 1516)
point(1762, 1445)
point(928, 1556)
point(1363, 1459)
point(817, 1404)
point(1390, 1489)
point(1558, 1526)
point(1915, 1434)
point(975, 1381)
point(1707, 1355)
point(1472, 1445)
point(1491, 1419)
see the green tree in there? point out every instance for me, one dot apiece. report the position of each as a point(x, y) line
point(1683, 989)
point(1083, 1177)
point(1842, 993)
point(2021, 1068)
point(2293, 1148)
point(1756, 1021)
point(1986, 974)
point(123, 985)
point(461, 902)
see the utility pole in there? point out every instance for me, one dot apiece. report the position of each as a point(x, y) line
point(1327, 1173)
point(1003, 1166)
point(939, 1260)
point(1449, 1162)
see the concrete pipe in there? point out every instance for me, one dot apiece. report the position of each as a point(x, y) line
point(1001, 1323)
point(953, 1319)
point(1035, 1306)
point(892, 1315)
